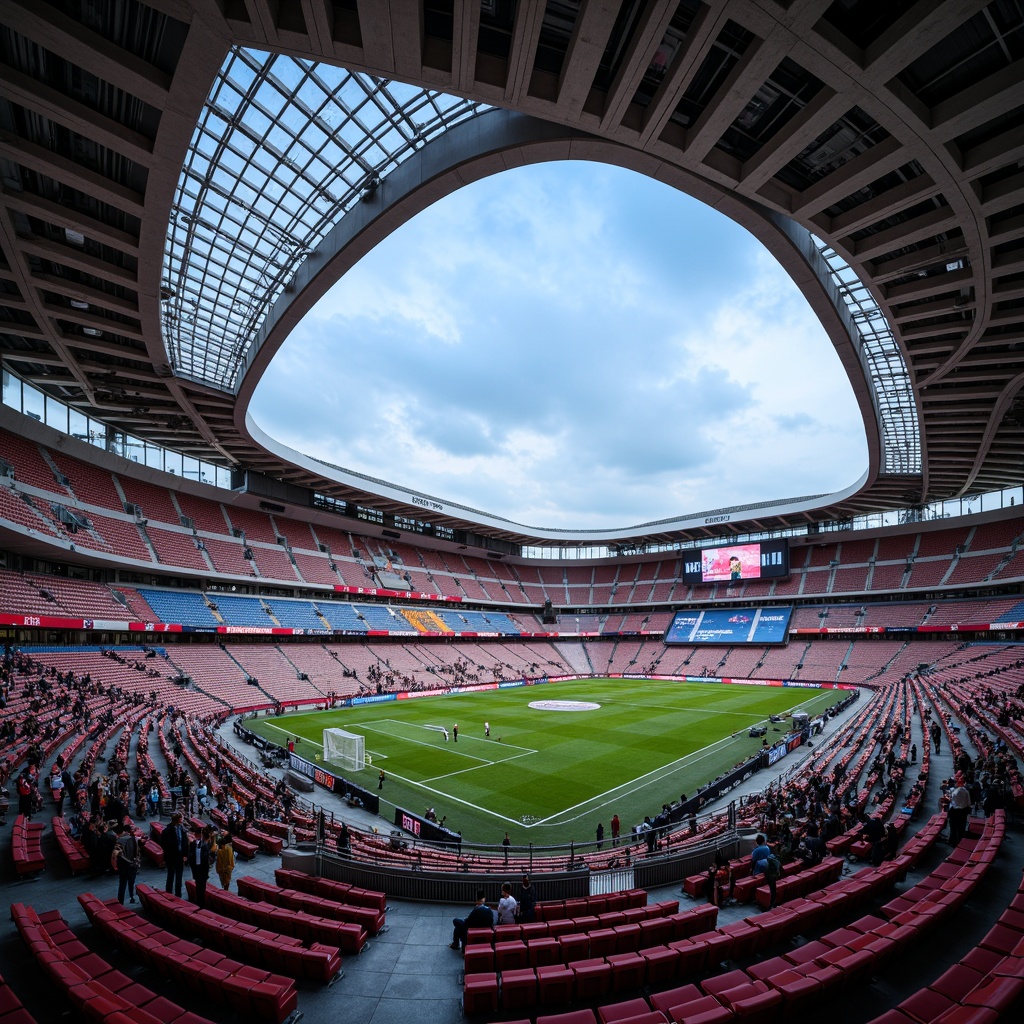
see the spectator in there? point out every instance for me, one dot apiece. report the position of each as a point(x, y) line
point(201, 852)
point(225, 861)
point(507, 906)
point(761, 861)
point(874, 833)
point(527, 901)
point(481, 916)
point(174, 843)
point(128, 863)
point(959, 809)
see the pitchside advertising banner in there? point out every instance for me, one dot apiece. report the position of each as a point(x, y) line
point(765, 626)
point(423, 829)
point(335, 783)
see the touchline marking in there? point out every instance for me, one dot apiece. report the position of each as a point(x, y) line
point(632, 784)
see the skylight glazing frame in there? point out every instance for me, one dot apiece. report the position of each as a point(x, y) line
point(887, 370)
point(282, 150)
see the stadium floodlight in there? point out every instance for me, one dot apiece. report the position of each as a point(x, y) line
point(344, 749)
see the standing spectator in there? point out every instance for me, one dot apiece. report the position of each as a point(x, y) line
point(201, 852)
point(455, 732)
point(186, 792)
point(959, 808)
point(154, 800)
point(344, 841)
point(615, 826)
point(527, 901)
point(506, 843)
point(24, 787)
point(380, 779)
point(174, 843)
point(127, 863)
point(599, 835)
point(719, 879)
point(874, 833)
point(106, 841)
point(70, 790)
point(760, 860)
point(225, 861)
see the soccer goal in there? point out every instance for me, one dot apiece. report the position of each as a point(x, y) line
point(345, 749)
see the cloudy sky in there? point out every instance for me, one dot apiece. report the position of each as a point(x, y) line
point(570, 345)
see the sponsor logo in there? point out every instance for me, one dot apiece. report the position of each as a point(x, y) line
point(716, 519)
point(435, 505)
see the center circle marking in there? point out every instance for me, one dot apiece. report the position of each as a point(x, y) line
point(564, 705)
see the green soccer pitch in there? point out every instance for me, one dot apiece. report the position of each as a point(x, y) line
point(549, 776)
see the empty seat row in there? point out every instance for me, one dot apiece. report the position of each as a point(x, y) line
point(554, 910)
point(349, 938)
point(800, 883)
point(284, 953)
point(73, 850)
point(267, 843)
point(291, 899)
point(26, 846)
point(11, 1009)
point(97, 991)
point(516, 979)
point(249, 990)
point(488, 950)
point(342, 892)
point(690, 921)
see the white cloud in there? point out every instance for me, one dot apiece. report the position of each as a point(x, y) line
point(570, 346)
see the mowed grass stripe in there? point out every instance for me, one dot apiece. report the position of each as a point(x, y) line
point(649, 742)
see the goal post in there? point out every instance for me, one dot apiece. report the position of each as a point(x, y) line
point(345, 749)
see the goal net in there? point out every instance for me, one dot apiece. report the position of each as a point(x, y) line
point(345, 749)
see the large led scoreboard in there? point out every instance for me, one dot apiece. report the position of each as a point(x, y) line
point(761, 560)
point(730, 626)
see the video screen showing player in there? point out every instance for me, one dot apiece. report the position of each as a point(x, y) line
point(742, 562)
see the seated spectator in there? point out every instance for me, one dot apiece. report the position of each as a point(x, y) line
point(481, 916)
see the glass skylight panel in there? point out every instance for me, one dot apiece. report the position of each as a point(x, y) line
point(282, 150)
point(887, 371)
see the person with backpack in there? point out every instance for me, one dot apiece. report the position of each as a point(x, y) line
point(125, 860)
point(764, 862)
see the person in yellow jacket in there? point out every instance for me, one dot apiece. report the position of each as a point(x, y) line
point(225, 861)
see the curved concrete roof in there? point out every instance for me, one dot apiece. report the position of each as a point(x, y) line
point(894, 135)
